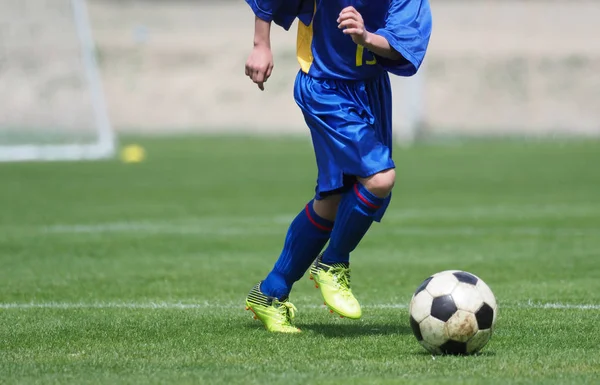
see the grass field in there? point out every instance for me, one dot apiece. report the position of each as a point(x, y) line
point(136, 273)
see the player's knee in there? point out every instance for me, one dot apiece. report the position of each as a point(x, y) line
point(380, 184)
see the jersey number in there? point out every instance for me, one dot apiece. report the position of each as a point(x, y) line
point(360, 53)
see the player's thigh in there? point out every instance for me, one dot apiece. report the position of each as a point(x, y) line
point(345, 136)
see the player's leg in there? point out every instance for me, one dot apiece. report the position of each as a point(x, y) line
point(358, 147)
point(380, 184)
point(367, 200)
point(305, 239)
point(357, 211)
point(306, 236)
point(327, 207)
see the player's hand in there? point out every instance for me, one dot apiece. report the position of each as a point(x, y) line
point(352, 23)
point(260, 65)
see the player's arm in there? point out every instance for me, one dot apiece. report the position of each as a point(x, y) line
point(402, 43)
point(381, 47)
point(260, 62)
point(352, 23)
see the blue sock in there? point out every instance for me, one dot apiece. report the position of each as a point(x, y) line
point(354, 217)
point(306, 237)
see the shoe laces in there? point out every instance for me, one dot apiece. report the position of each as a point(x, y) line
point(341, 276)
point(287, 310)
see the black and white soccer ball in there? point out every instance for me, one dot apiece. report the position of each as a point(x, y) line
point(453, 312)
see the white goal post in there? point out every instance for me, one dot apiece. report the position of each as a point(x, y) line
point(52, 104)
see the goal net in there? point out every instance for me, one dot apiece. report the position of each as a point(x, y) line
point(51, 100)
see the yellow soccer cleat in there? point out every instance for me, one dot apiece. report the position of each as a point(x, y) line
point(334, 282)
point(275, 315)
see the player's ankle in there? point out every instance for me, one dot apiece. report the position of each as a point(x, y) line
point(274, 286)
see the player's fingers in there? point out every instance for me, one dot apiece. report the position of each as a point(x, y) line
point(247, 70)
point(346, 16)
point(261, 86)
point(348, 9)
point(356, 15)
point(352, 18)
point(354, 31)
point(254, 74)
point(259, 76)
point(348, 24)
point(269, 72)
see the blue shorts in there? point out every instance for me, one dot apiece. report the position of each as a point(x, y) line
point(351, 128)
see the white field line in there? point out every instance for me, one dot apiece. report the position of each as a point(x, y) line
point(208, 305)
point(206, 229)
point(499, 212)
point(483, 212)
point(275, 225)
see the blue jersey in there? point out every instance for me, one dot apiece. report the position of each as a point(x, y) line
point(325, 52)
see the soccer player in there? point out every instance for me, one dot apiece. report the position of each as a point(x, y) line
point(345, 49)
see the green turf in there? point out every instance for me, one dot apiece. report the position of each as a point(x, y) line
point(113, 273)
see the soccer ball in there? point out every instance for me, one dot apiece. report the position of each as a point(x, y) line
point(453, 312)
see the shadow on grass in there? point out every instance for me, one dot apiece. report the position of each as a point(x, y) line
point(346, 329)
point(355, 330)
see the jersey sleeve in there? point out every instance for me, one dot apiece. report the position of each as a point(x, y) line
point(282, 12)
point(407, 30)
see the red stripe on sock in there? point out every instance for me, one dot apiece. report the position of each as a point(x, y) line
point(317, 225)
point(363, 199)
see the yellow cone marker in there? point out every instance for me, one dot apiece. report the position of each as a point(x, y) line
point(133, 154)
